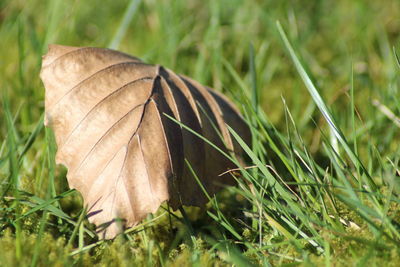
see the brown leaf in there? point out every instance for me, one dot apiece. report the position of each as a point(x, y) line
point(125, 157)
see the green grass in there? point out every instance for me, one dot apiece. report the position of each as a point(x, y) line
point(320, 89)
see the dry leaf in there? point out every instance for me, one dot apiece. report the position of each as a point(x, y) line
point(122, 153)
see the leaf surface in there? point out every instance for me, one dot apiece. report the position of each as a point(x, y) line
point(125, 157)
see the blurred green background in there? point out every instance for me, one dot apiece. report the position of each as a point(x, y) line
point(194, 37)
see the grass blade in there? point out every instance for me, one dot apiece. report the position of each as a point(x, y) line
point(322, 107)
point(123, 27)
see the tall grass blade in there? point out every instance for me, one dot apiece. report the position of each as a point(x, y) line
point(253, 79)
point(123, 26)
point(397, 57)
point(323, 108)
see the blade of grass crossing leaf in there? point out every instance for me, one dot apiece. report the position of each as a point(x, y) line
point(206, 140)
point(282, 192)
point(216, 129)
point(202, 138)
point(198, 180)
point(260, 165)
point(262, 131)
point(220, 218)
point(244, 92)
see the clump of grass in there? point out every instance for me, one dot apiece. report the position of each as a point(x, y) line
point(321, 186)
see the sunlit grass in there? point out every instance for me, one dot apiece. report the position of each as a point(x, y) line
point(320, 90)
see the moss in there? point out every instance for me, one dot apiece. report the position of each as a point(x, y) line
point(196, 255)
point(358, 246)
point(52, 252)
